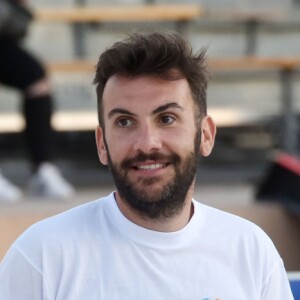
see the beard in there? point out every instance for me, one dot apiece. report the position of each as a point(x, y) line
point(169, 200)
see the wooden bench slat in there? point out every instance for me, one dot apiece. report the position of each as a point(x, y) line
point(247, 15)
point(11, 122)
point(215, 64)
point(124, 13)
point(72, 66)
point(251, 62)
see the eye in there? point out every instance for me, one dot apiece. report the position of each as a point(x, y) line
point(167, 119)
point(124, 122)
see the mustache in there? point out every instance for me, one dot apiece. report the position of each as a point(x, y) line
point(142, 157)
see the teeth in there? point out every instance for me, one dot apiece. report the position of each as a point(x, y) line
point(151, 167)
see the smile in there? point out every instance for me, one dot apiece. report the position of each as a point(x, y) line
point(151, 166)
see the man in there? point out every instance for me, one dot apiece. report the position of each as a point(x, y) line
point(150, 239)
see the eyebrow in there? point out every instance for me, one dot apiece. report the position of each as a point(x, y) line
point(167, 106)
point(155, 111)
point(120, 111)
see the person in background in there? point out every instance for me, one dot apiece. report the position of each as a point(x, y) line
point(150, 239)
point(21, 70)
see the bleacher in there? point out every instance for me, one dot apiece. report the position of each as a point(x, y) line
point(240, 42)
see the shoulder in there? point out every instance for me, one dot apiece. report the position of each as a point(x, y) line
point(239, 231)
point(54, 240)
point(72, 223)
point(241, 241)
point(215, 217)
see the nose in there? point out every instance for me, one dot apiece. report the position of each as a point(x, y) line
point(148, 139)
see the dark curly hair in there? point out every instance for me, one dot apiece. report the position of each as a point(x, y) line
point(166, 55)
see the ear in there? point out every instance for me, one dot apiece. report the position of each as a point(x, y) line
point(102, 152)
point(208, 133)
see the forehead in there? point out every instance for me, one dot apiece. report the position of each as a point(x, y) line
point(145, 91)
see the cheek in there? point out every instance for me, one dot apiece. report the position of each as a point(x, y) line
point(181, 142)
point(119, 147)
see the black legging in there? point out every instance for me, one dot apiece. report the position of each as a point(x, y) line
point(20, 70)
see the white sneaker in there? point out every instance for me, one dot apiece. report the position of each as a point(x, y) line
point(48, 182)
point(9, 193)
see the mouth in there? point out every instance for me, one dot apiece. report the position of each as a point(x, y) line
point(151, 166)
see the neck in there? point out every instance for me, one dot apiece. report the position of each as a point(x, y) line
point(162, 224)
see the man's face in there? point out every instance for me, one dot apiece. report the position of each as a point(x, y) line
point(151, 142)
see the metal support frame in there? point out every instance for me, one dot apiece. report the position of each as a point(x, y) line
point(251, 36)
point(79, 41)
point(79, 33)
point(289, 133)
point(181, 27)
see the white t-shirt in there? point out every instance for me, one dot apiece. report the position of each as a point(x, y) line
point(93, 252)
